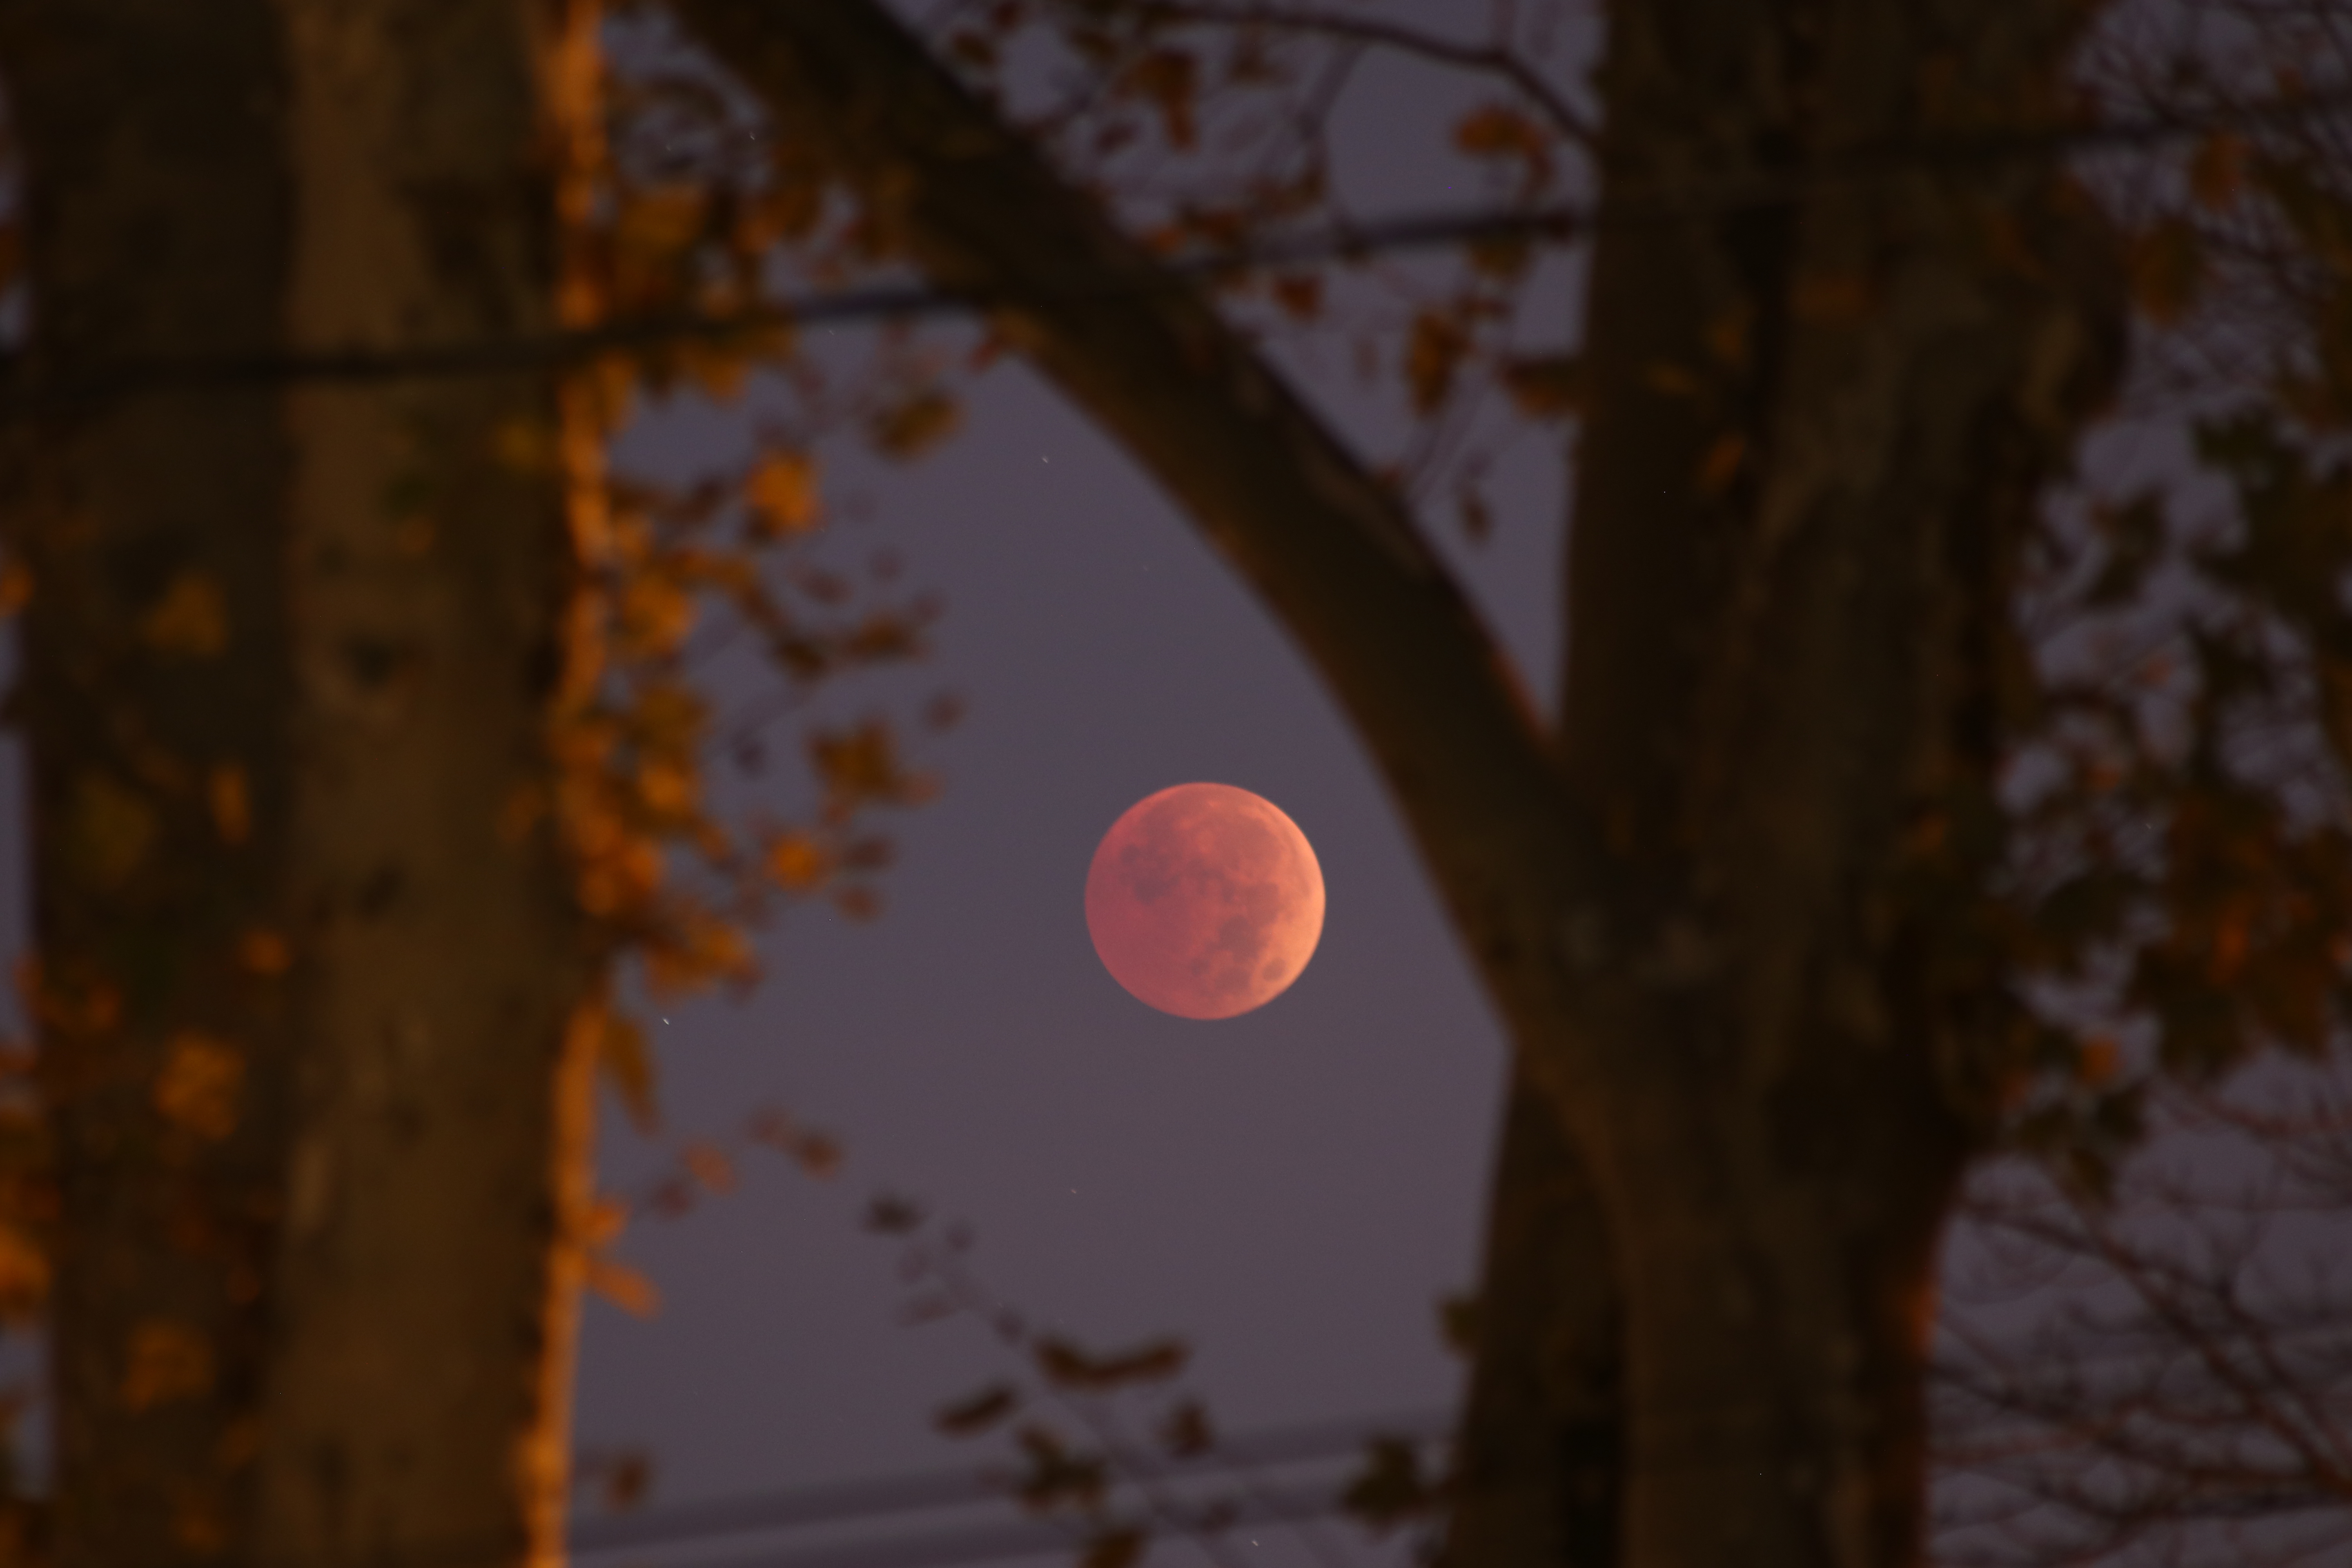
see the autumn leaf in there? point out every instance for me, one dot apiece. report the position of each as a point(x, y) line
point(1498, 130)
point(783, 493)
point(1187, 1432)
point(165, 1361)
point(1300, 295)
point(1169, 79)
point(627, 1064)
point(1434, 351)
point(2217, 170)
point(625, 1287)
point(796, 862)
point(818, 1155)
point(1066, 1365)
point(708, 1164)
point(1547, 388)
point(890, 1214)
point(908, 427)
point(1056, 1476)
point(860, 764)
point(231, 803)
point(978, 1412)
point(199, 1085)
point(1722, 463)
point(191, 620)
point(24, 1276)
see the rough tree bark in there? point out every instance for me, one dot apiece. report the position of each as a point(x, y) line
point(310, 988)
point(1820, 413)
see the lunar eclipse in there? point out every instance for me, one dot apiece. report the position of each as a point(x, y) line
point(1204, 900)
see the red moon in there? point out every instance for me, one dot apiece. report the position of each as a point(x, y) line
point(1204, 900)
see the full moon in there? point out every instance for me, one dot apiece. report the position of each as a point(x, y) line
point(1204, 900)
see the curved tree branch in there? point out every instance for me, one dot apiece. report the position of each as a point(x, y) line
point(1332, 551)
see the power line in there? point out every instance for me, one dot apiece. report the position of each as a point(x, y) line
point(1745, 190)
point(850, 1500)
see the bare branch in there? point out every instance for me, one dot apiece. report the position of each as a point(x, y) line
point(1496, 58)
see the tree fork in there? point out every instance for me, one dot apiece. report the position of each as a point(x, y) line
point(1807, 421)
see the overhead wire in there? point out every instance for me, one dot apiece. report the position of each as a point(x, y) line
point(849, 1501)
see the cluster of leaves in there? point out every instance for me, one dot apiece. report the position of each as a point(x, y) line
point(693, 590)
point(2181, 874)
point(1210, 128)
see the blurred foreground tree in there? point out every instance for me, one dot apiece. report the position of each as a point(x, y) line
point(362, 743)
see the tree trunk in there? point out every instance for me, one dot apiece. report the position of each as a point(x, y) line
point(1539, 1456)
point(157, 698)
point(312, 1027)
point(1818, 426)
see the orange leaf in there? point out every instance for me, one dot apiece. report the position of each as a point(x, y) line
point(912, 427)
point(165, 1361)
point(708, 1163)
point(783, 495)
point(190, 620)
point(231, 802)
point(625, 1287)
point(199, 1085)
point(796, 862)
point(264, 952)
point(15, 586)
point(628, 1065)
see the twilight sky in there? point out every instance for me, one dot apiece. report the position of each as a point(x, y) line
point(1291, 1190)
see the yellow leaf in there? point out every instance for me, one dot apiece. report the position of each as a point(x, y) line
point(165, 1361)
point(191, 619)
point(625, 1287)
point(231, 802)
point(784, 496)
point(199, 1085)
